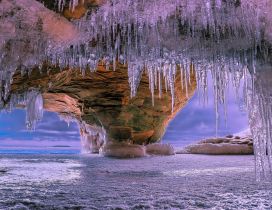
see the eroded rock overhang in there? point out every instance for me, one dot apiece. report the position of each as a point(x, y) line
point(102, 99)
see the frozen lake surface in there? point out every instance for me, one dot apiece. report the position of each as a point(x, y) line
point(94, 182)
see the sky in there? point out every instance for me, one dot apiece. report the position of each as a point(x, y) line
point(51, 131)
point(191, 124)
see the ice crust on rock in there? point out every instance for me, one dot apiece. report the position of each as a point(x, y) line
point(92, 138)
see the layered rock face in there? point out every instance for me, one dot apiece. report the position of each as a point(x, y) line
point(102, 99)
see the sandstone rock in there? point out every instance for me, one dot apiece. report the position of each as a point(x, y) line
point(160, 149)
point(139, 137)
point(120, 133)
point(122, 150)
point(61, 103)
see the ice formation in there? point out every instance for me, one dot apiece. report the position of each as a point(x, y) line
point(32, 101)
point(68, 118)
point(229, 39)
point(93, 137)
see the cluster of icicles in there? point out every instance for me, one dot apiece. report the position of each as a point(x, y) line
point(164, 38)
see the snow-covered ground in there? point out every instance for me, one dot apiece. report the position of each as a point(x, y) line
point(95, 182)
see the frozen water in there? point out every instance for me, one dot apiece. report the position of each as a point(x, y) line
point(94, 182)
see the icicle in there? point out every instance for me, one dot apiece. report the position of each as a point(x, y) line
point(73, 4)
point(181, 77)
point(171, 77)
point(160, 85)
point(216, 101)
point(61, 4)
point(186, 81)
point(151, 76)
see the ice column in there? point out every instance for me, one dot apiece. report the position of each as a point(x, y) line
point(34, 109)
point(259, 98)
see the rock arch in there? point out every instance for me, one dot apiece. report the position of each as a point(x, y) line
point(100, 101)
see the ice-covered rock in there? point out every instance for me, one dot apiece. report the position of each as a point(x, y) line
point(229, 145)
point(160, 149)
point(38, 25)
